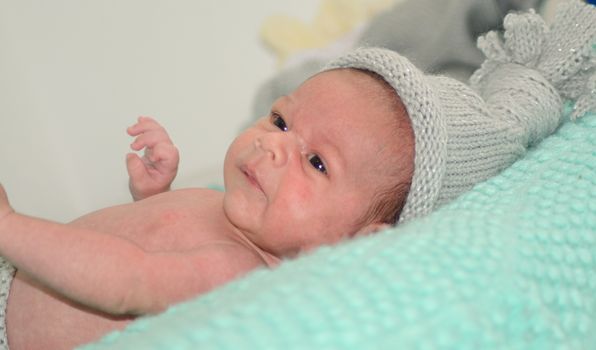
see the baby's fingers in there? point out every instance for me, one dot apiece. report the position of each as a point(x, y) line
point(150, 139)
point(143, 124)
point(166, 155)
point(135, 167)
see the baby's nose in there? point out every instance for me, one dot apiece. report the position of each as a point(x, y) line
point(279, 147)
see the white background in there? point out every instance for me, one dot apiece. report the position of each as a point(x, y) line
point(74, 74)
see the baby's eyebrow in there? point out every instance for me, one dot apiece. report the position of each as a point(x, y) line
point(286, 99)
point(281, 102)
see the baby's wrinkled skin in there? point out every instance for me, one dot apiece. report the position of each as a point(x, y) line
point(299, 178)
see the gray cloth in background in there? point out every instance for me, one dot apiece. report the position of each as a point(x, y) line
point(438, 36)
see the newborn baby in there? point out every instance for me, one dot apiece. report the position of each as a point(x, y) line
point(306, 175)
point(368, 142)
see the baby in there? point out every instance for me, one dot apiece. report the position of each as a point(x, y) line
point(299, 178)
point(369, 142)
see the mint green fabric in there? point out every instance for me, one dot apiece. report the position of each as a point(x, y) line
point(508, 265)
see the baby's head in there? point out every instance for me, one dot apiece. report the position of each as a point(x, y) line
point(373, 140)
point(333, 159)
point(372, 134)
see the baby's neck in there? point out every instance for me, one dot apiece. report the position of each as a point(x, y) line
point(269, 259)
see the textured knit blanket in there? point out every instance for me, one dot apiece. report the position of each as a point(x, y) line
point(508, 265)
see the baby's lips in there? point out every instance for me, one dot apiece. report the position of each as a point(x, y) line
point(251, 177)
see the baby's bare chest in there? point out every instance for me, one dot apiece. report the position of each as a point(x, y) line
point(173, 221)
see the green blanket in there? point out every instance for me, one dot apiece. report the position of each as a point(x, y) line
point(509, 265)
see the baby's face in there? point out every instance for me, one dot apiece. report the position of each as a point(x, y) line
point(304, 175)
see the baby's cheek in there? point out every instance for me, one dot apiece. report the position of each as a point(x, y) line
point(304, 194)
point(299, 200)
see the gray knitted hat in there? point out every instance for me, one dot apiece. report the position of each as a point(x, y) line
point(464, 135)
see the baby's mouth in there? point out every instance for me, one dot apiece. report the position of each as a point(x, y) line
point(252, 178)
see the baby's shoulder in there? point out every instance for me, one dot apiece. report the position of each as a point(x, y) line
point(198, 199)
point(197, 191)
point(220, 261)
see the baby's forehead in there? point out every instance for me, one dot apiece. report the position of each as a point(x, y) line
point(370, 85)
point(365, 79)
point(352, 96)
point(352, 109)
point(385, 122)
point(348, 96)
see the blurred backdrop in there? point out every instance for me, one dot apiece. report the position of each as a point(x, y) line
point(74, 74)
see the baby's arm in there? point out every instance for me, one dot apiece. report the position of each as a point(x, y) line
point(111, 274)
point(154, 172)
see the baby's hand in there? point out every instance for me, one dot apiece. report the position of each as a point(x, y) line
point(5, 208)
point(155, 171)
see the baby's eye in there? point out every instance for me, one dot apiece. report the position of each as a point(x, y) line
point(317, 163)
point(278, 121)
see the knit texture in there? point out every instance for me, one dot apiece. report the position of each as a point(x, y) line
point(509, 265)
point(465, 135)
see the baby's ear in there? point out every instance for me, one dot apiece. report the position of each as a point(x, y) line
point(371, 228)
